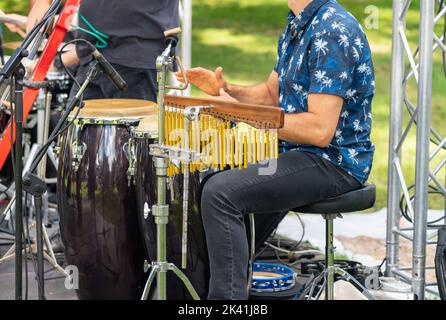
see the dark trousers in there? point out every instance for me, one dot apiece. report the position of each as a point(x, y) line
point(300, 179)
point(142, 84)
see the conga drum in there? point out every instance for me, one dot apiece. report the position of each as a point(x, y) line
point(97, 203)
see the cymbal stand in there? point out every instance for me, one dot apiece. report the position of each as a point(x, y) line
point(162, 154)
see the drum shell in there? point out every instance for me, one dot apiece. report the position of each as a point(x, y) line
point(98, 215)
point(197, 269)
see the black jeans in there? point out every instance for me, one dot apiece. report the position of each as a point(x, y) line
point(142, 84)
point(300, 179)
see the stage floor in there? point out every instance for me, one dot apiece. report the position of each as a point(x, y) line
point(54, 283)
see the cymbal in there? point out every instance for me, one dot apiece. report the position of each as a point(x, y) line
point(120, 108)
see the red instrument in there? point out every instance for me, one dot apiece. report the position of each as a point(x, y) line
point(50, 51)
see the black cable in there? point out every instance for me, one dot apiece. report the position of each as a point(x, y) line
point(404, 207)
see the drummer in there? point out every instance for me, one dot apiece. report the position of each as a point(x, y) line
point(128, 33)
point(324, 80)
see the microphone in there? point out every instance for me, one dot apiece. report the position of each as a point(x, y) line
point(111, 72)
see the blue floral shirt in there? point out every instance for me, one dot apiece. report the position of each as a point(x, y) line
point(325, 50)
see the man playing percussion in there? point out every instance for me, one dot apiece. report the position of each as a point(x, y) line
point(128, 33)
point(324, 79)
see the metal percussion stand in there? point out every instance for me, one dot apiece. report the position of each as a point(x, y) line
point(162, 154)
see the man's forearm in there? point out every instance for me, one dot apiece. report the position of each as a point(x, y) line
point(256, 94)
point(306, 128)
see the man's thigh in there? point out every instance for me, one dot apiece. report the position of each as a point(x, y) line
point(300, 179)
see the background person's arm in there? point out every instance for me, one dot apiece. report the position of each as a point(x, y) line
point(36, 13)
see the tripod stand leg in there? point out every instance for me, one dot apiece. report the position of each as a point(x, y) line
point(55, 264)
point(149, 282)
point(186, 282)
point(355, 282)
point(9, 254)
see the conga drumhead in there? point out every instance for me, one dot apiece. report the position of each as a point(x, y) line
point(148, 125)
point(117, 108)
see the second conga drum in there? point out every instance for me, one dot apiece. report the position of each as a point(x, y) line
point(97, 203)
point(197, 269)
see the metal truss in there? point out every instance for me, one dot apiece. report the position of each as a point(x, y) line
point(429, 144)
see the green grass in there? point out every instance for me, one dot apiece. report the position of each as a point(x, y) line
point(241, 36)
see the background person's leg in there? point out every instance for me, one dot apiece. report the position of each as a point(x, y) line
point(300, 179)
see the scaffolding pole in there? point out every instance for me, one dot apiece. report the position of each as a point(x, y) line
point(419, 118)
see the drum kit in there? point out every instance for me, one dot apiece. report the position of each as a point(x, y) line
point(129, 181)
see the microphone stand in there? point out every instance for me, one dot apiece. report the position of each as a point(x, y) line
point(36, 186)
point(14, 68)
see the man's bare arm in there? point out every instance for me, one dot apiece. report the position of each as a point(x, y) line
point(316, 127)
point(263, 94)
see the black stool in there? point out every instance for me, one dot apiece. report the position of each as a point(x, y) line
point(330, 209)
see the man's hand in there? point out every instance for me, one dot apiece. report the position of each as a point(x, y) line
point(226, 97)
point(204, 79)
point(36, 14)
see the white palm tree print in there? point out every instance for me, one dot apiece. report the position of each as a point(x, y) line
point(300, 91)
point(339, 137)
point(365, 70)
point(353, 156)
point(356, 54)
point(290, 109)
point(357, 128)
point(344, 116)
point(320, 75)
point(299, 61)
point(338, 26)
point(315, 22)
point(340, 159)
point(321, 47)
point(327, 83)
point(364, 105)
point(344, 41)
point(351, 94)
point(327, 15)
point(359, 43)
point(284, 47)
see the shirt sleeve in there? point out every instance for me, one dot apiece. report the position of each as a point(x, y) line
point(332, 60)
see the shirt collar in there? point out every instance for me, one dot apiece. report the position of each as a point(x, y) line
point(306, 14)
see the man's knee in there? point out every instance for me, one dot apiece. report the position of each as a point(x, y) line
point(215, 188)
point(217, 195)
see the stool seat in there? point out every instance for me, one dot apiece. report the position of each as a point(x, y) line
point(354, 201)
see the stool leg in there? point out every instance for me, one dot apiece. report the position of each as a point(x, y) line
point(252, 227)
point(329, 259)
